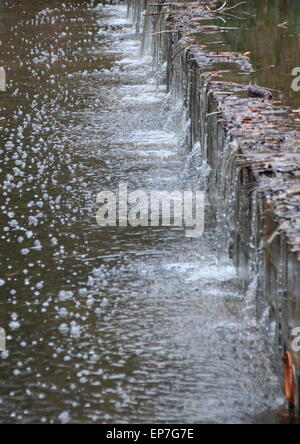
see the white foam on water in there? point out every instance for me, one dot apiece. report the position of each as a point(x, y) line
point(196, 271)
point(144, 98)
point(157, 153)
point(131, 61)
point(118, 10)
point(146, 88)
point(155, 137)
point(119, 22)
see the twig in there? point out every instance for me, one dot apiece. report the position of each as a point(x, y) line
point(171, 30)
point(235, 6)
point(212, 114)
point(222, 7)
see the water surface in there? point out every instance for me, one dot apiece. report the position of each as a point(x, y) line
point(270, 31)
point(109, 325)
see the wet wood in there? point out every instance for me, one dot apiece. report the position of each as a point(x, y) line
point(263, 93)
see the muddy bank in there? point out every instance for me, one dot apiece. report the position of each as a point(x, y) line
point(251, 146)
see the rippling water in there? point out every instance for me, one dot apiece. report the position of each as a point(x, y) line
point(108, 325)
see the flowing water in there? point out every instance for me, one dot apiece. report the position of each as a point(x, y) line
point(109, 324)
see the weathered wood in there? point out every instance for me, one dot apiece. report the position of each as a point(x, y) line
point(254, 91)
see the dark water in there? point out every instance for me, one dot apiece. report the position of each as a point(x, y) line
point(274, 49)
point(109, 325)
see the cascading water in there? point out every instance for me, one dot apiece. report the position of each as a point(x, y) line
point(115, 324)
